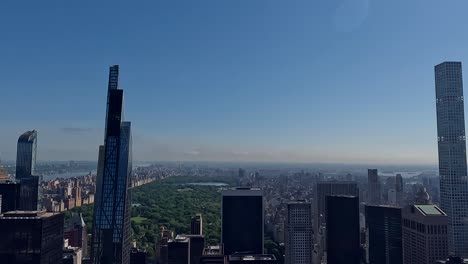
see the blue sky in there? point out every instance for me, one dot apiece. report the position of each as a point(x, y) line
point(346, 81)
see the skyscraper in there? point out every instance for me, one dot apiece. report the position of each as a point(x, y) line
point(325, 188)
point(373, 187)
point(31, 237)
point(452, 154)
point(196, 226)
point(383, 224)
point(26, 154)
point(343, 241)
point(111, 222)
point(242, 221)
point(25, 165)
point(399, 189)
point(424, 230)
point(197, 245)
point(179, 250)
point(299, 233)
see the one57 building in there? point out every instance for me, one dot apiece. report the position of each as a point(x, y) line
point(111, 223)
point(452, 154)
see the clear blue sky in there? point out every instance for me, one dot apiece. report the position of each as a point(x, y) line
point(262, 80)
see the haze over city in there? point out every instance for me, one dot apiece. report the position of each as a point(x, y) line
point(277, 81)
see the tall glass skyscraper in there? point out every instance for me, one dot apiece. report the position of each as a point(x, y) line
point(452, 154)
point(25, 165)
point(111, 223)
point(26, 154)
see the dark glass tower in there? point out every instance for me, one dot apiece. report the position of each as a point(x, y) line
point(31, 237)
point(452, 154)
point(25, 165)
point(111, 223)
point(383, 225)
point(343, 244)
point(326, 188)
point(26, 154)
point(242, 221)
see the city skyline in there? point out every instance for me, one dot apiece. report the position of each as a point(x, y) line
point(300, 82)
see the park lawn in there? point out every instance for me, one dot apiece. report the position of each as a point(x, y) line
point(138, 219)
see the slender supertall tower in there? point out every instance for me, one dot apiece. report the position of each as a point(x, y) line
point(111, 223)
point(452, 154)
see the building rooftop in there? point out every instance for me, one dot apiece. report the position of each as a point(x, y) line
point(453, 260)
point(429, 209)
point(251, 257)
point(27, 215)
point(28, 136)
point(183, 237)
point(8, 182)
point(138, 250)
point(213, 250)
point(384, 206)
point(180, 239)
point(241, 191)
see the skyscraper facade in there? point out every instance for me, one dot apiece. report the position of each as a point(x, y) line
point(31, 237)
point(196, 225)
point(373, 187)
point(299, 233)
point(424, 230)
point(25, 166)
point(111, 222)
point(399, 189)
point(197, 245)
point(325, 188)
point(242, 221)
point(452, 154)
point(178, 250)
point(343, 238)
point(383, 224)
point(26, 154)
